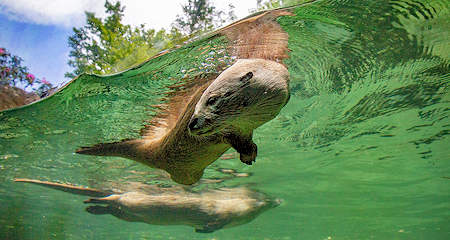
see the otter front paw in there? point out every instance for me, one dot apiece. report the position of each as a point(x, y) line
point(244, 145)
point(248, 159)
point(248, 155)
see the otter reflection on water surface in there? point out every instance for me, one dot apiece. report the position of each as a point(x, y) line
point(206, 211)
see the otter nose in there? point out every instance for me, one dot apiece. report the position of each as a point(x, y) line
point(196, 124)
point(193, 124)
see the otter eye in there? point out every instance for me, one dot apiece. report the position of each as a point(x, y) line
point(246, 77)
point(211, 100)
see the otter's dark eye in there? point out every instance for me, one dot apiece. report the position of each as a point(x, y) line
point(247, 77)
point(211, 100)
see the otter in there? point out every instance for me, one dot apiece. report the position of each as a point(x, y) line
point(206, 211)
point(205, 123)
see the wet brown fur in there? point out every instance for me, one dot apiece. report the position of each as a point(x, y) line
point(259, 36)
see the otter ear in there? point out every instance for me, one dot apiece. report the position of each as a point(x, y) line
point(246, 77)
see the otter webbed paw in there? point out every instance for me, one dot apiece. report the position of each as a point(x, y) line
point(248, 153)
point(99, 210)
point(204, 230)
point(245, 146)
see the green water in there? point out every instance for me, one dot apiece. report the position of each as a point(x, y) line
point(361, 151)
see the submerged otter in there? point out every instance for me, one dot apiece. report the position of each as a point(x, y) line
point(208, 120)
point(206, 212)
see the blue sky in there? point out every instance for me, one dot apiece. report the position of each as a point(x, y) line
point(38, 30)
point(43, 47)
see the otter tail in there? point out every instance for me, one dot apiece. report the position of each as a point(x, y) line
point(124, 148)
point(67, 188)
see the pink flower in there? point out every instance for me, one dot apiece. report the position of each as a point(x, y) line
point(2, 51)
point(30, 77)
point(7, 70)
point(44, 81)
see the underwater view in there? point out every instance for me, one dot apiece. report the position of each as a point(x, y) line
point(360, 151)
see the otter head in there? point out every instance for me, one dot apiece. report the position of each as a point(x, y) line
point(244, 96)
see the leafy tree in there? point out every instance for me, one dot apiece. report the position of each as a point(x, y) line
point(161, 40)
point(12, 73)
point(201, 15)
point(107, 45)
point(230, 15)
point(270, 4)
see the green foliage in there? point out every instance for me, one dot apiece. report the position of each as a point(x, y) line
point(107, 45)
point(271, 4)
point(197, 16)
point(201, 16)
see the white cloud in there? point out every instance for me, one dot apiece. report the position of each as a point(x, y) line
point(70, 13)
point(50, 12)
